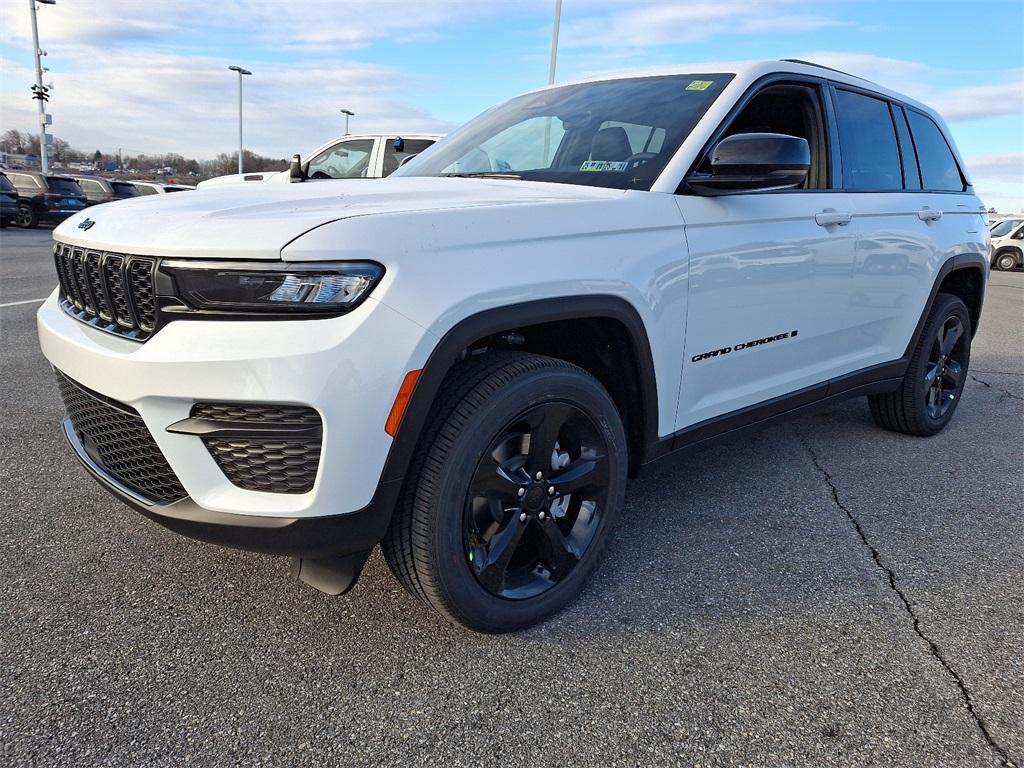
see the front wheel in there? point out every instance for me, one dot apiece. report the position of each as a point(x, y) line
point(516, 485)
point(931, 389)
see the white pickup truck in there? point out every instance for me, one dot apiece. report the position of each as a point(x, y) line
point(366, 156)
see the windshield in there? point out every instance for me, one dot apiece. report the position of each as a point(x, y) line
point(613, 133)
point(63, 185)
point(1003, 228)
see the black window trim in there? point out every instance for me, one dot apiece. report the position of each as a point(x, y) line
point(776, 78)
point(893, 104)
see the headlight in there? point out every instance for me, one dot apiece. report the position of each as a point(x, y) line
point(293, 288)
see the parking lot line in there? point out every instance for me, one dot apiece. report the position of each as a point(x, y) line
point(26, 301)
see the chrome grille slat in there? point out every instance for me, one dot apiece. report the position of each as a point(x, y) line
point(111, 291)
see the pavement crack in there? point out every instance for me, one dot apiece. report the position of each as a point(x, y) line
point(890, 576)
point(1003, 393)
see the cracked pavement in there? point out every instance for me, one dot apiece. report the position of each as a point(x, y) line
point(819, 593)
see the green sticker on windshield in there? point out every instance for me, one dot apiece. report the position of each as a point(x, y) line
point(699, 85)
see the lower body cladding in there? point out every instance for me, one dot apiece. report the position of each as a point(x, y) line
point(278, 449)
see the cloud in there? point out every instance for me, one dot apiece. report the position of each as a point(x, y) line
point(981, 101)
point(310, 25)
point(645, 25)
point(1007, 167)
point(187, 104)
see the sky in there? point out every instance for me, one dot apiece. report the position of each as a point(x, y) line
point(150, 76)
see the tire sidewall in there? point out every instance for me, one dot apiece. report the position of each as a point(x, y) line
point(457, 583)
point(1012, 263)
point(26, 212)
point(946, 306)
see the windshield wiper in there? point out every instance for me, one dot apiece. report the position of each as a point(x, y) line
point(484, 175)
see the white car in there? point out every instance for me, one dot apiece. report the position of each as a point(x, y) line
point(159, 188)
point(1007, 247)
point(366, 156)
point(465, 361)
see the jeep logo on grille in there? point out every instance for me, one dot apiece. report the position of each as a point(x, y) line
point(86, 224)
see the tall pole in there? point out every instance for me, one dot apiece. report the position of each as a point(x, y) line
point(554, 42)
point(240, 72)
point(40, 91)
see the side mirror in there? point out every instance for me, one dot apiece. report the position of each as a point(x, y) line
point(399, 144)
point(295, 169)
point(749, 162)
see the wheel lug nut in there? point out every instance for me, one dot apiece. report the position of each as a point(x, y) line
point(521, 492)
point(551, 490)
point(542, 515)
point(539, 475)
point(522, 517)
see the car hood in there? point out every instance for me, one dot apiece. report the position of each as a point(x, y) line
point(256, 222)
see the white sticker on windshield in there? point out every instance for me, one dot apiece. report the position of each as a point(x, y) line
point(604, 165)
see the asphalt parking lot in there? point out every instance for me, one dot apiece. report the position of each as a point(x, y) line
point(821, 593)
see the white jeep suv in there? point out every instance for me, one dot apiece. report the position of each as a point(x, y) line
point(464, 362)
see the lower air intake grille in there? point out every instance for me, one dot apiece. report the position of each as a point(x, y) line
point(263, 461)
point(118, 441)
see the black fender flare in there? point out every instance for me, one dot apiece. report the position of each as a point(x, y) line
point(965, 261)
point(493, 321)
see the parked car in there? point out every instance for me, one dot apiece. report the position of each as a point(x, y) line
point(100, 190)
point(347, 157)
point(1008, 250)
point(465, 361)
point(159, 187)
point(8, 201)
point(1003, 227)
point(45, 197)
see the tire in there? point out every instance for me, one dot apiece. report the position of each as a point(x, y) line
point(27, 216)
point(934, 382)
point(473, 488)
point(1005, 261)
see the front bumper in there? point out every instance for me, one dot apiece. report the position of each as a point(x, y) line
point(348, 368)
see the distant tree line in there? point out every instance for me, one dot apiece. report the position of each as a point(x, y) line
point(170, 164)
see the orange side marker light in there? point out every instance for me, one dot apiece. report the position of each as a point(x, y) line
point(401, 402)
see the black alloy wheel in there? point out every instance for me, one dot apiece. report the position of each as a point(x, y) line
point(944, 372)
point(26, 218)
point(535, 501)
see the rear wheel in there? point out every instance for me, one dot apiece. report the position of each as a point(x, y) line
point(934, 381)
point(1006, 261)
point(517, 483)
point(27, 217)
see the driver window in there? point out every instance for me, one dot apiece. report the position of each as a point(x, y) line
point(344, 160)
point(793, 110)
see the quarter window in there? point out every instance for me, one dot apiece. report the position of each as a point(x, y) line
point(939, 170)
point(871, 156)
point(911, 173)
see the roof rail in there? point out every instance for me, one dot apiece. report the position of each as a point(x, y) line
point(820, 66)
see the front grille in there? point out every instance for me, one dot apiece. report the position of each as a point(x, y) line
point(276, 463)
point(116, 438)
point(109, 291)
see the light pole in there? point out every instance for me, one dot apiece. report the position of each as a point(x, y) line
point(347, 113)
point(240, 72)
point(40, 92)
point(554, 42)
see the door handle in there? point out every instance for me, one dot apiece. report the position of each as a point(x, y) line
point(929, 214)
point(831, 218)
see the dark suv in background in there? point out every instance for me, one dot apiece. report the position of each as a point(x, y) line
point(8, 201)
point(45, 197)
point(99, 190)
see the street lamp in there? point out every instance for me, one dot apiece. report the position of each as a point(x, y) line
point(554, 42)
point(40, 92)
point(240, 72)
point(347, 113)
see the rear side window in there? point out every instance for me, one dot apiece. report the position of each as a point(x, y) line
point(24, 179)
point(871, 156)
point(146, 190)
point(393, 158)
point(939, 170)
